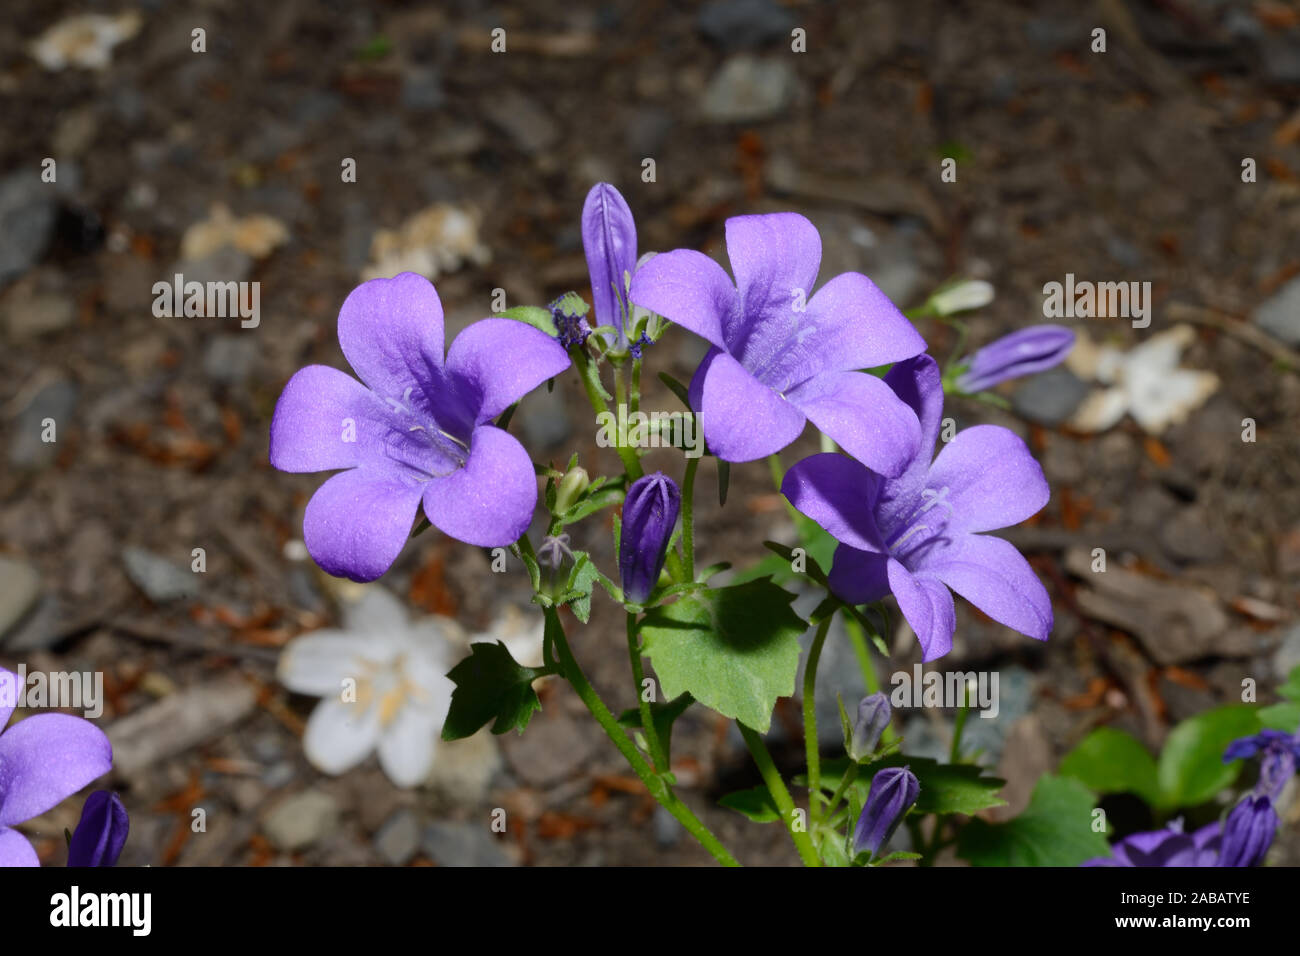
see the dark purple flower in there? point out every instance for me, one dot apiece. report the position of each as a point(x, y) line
point(917, 535)
point(1278, 754)
point(871, 721)
point(649, 515)
point(1167, 847)
point(609, 241)
point(893, 791)
point(571, 329)
point(1248, 832)
point(419, 430)
point(781, 355)
point(101, 834)
point(43, 760)
point(1035, 349)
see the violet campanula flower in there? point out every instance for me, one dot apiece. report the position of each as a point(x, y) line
point(782, 355)
point(43, 760)
point(101, 834)
point(419, 431)
point(893, 791)
point(609, 242)
point(1035, 349)
point(917, 535)
point(869, 724)
point(1278, 754)
point(649, 515)
point(1167, 847)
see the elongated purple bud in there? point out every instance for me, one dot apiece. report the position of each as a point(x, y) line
point(893, 791)
point(609, 241)
point(101, 834)
point(873, 718)
point(1248, 832)
point(1030, 350)
point(649, 514)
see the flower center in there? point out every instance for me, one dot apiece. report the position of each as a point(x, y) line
point(416, 441)
point(923, 525)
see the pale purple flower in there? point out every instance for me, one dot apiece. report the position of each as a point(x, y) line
point(418, 431)
point(782, 355)
point(1167, 847)
point(649, 515)
point(609, 241)
point(1248, 832)
point(101, 834)
point(917, 535)
point(1278, 753)
point(892, 793)
point(43, 760)
point(872, 719)
point(1035, 349)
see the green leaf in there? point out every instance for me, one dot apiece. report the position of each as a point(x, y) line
point(755, 803)
point(1291, 689)
point(582, 581)
point(1112, 761)
point(1054, 830)
point(664, 716)
point(571, 305)
point(1284, 717)
point(945, 787)
point(677, 388)
point(491, 686)
point(1191, 768)
point(533, 315)
point(894, 857)
point(735, 649)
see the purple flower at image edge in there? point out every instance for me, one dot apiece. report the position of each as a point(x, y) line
point(782, 356)
point(918, 535)
point(419, 431)
point(43, 760)
point(1279, 755)
point(649, 515)
point(102, 832)
point(1031, 350)
point(1241, 840)
point(609, 243)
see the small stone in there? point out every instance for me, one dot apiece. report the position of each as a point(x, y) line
point(747, 89)
point(54, 403)
point(231, 359)
point(668, 832)
point(399, 838)
point(529, 126)
point(737, 24)
point(223, 264)
point(301, 820)
point(20, 587)
point(1190, 537)
point(29, 314)
point(1049, 398)
point(158, 577)
point(1279, 315)
point(175, 724)
point(464, 844)
point(28, 208)
point(422, 89)
point(553, 750)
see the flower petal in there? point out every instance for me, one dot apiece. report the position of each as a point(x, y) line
point(15, 850)
point(391, 333)
point(991, 574)
point(609, 243)
point(928, 607)
point(326, 420)
point(11, 689)
point(837, 493)
point(859, 577)
point(495, 362)
point(772, 257)
point(743, 419)
point(317, 663)
point(690, 289)
point(488, 503)
point(408, 745)
point(864, 416)
point(339, 736)
point(992, 479)
point(46, 759)
point(358, 521)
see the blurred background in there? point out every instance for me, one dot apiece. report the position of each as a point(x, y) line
point(471, 166)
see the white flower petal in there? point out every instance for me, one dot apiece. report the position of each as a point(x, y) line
point(317, 663)
point(408, 745)
point(339, 736)
point(376, 612)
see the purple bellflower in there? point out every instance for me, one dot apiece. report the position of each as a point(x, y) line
point(872, 719)
point(1035, 349)
point(43, 760)
point(649, 515)
point(1241, 839)
point(609, 241)
point(893, 791)
point(917, 535)
point(1248, 832)
point(780, 354)
point(1278, 754)
point(101, 834)
point(418, 431)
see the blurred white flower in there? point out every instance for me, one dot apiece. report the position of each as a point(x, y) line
point(521, 634)
point(383, 686)
point(85, 40)
point(963, 296)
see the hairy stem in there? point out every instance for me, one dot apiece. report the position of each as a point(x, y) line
point(781, 795)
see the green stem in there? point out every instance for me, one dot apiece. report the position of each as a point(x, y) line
point(688, 519)
point(657, 751)
point(866, 664)
point(811, 749)
point(776, 787)
point(591, 382)
point(656, 784)
point(846, 781)
point(954, 755)
point(634, 396)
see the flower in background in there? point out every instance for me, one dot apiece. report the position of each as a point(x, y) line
point(101, 834)
point(382, 684)
point(893, 791)
point(521, 633)
point(43, 760)
point(961, 296)
point(872, 719)
point(1278, 754)
point(609, 242)
point(418, 431)
point(1167, 847)
point(782, 355)
point(649, 516)
point(1035, 349)
point(917, 535)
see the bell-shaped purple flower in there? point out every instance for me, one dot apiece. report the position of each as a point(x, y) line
point(1278, 754)
point(783, 356)
point(872, 719)
point(1248, 832)
point(649, 515)
point(609, 241)
point(1035, 349)
point(893, 791)
point(101, 834)
point(1167, 847)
